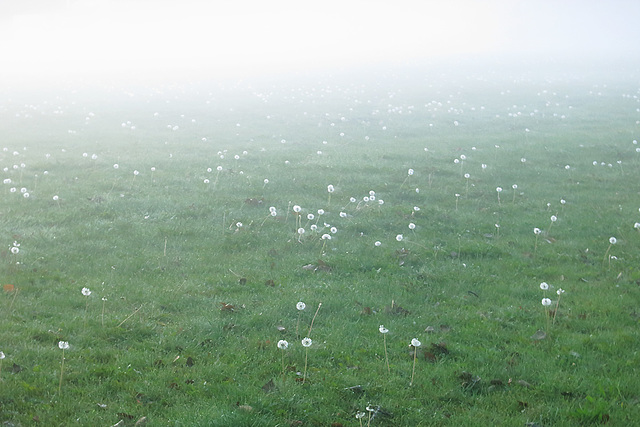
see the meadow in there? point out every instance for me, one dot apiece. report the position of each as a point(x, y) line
point(156, 241)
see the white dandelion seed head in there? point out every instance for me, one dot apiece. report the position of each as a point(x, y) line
point(301, 230)
point(301, 306)
point(514, 186)
point(372, 193)
point(206, 181)
point(381, 202)
point(563, 201)
point(333, 230)
point(310, 216)
point(415, 342)
point(399, 237)
point(135, 172)
point(544, 286)
point(377, 243)
point(613, 240)
point(416, 209)
point(297, 208)
point(560, 291)
point(484, 166)
point(86, 292)
point(352, 199)
point(266, 181)
point(410, 172)
point(343, 214)
point(326, 236)
point(567, 167)
point(239, 224)
point(412, 226)
point(313, 227)
point(382, 329)
point(536, 230)
point(283, 345)
point(463, 157)
point(546, 302)
point(320, 211)
point(25, 195)
point(467, 176)
point(456, 161)
point(499, 189)
point(306, 342)
point(330, 188)
point(636, 225)
point(2, 356)
point(554, 218)
point(55, 198)
point(15, 250)
point(63, 345)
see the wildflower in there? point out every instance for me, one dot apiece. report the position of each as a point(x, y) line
point(546, 302)
point(239, 224)
point(399, 237)
point(64, 345)
point(306, 342)
point(297, 208)
point(330, 188)
point(377, 243)
point(382, 329)
point(334, 230)
point(415, 342)
point(560, 291)
point(544, 286)
point(412, 226)
point(613, 240)
point(283, 345)
point(310, 216)
point(326, 236)
point(320, 211)
point(86, 292)
point(301, 306)
point(410, 172)
point(554, 218)
point(536, 231)
point(15, 250)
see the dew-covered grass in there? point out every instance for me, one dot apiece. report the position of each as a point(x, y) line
point(193, 281)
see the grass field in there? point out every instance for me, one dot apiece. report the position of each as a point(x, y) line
point(157, 200)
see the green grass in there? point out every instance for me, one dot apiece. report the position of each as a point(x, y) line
point(164, 250)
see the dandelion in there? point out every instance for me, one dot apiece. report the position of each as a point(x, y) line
point(457, 198)
point(300, 233)
point(560, 291)
point(377, 243)
point(553, 219)
point(537, 232)
point(266, 181)
point(415, 344)
point(86, 292)
point(15, 250)
point(324, 237)
point(63, 345)
point(399, 237)
point(384, 331)
point(409, 174)
point(612, 241)
point(306, 343)
point(283, 345)
point(637, 226)
point(2, 356)
point(544, 286)
point(104, 301)
point(360, 416)
point(499, 190)
point(300, 306)
point(546, 302)
point(515, 187)
point(484, 166)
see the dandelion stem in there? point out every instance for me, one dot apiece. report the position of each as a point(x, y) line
point(314, 318)
point(306, 354)
point(283, 376)
point(415, 355)
point(130, 316)
point(61, 372)
point(386, 357)
point(556, 312)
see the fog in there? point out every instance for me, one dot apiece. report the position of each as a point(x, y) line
point(48, 41)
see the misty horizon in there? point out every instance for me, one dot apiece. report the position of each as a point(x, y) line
point(43, 42)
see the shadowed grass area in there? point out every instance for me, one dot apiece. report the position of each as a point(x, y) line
point(193, 281)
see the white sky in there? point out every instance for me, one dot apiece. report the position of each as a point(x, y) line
point(242, 37)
